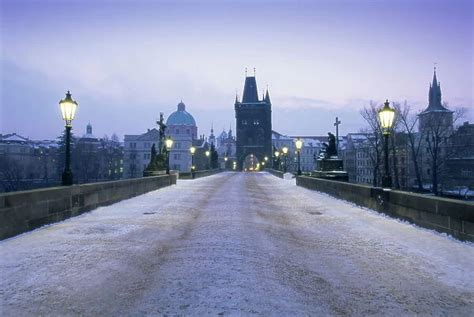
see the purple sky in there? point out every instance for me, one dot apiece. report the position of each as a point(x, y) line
point(125, 61)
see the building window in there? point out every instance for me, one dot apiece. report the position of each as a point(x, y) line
point(177, 156)
point(133, 145)
point(244, 122)
point(177, 131)
point(256, 122)
point(188, 131)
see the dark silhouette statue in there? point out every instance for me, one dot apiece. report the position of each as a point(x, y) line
point(330, 149)
point(158, 158)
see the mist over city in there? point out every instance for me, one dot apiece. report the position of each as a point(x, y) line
point(127, 61)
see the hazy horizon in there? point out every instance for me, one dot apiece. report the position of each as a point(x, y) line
point(126, 61)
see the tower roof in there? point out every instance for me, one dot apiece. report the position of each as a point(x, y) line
point(267, 97)
point(250, 90)
point(434, 96)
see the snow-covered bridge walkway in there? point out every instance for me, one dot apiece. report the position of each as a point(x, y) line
point(235, 244)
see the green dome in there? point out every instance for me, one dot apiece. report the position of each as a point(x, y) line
point(181, 117)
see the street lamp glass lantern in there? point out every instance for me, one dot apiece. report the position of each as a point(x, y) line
point(386, 117)
point(169, 143)
point(277, 154)
point(285, 150)
point(192, 149)
point(68, 108)
point(265, 158)
point(299, 144)
point(225, 158)
point(208, 153)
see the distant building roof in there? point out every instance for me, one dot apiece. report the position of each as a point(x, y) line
point(13, 138)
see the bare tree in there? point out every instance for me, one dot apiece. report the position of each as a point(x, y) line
point(375, 152)
point(11, 174)
point(408, 123)
point(438, 132)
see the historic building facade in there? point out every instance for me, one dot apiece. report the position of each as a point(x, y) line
point(254, 124)
point(181, 127)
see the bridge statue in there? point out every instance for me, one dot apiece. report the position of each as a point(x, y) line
point(330, 150)
point(157, 163)
point(162, 128)
point(329, 166)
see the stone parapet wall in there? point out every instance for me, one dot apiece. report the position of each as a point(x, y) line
point(27, 210)
point(274, 172)
point(199, 174)
point(446, 215)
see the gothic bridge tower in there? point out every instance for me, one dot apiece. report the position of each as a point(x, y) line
point(253, 123)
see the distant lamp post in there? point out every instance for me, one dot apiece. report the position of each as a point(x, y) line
point(285, 153)
point(68, 111)
point(299, 145)
point(277, 155)
point(386, 119)
point(208, 155)
point(169, 146)
point(192, 149)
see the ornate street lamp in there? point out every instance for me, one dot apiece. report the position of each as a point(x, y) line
point(277, 155)
point(386, 120)
point(299, 145)
point(192, 149)
point(68, 111)
point(169, 146)
point(285, 153)
point(208, 155)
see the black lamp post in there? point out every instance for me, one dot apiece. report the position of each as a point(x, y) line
point(285, 153)
point(192, 149)
point(208, 155)
point(68, 111)
point(299, 145)
point(386, 119)
point(169, 146)
point(275, 161)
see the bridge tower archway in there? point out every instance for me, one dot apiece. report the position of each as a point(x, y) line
point(250, 163)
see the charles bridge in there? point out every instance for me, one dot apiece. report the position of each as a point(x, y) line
point(227, 243)
point(27, 210)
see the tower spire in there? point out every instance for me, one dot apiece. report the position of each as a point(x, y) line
point(434, 94)
point(267, 97)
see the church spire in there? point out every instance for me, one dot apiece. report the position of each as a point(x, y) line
point(434, 95)
point(267, 97)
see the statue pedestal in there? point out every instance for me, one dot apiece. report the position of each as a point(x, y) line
point(332, 169)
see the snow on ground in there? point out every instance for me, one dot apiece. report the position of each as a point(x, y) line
point(235, 244)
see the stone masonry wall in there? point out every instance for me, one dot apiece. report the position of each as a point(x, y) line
point(27, 210)
point(450, 216)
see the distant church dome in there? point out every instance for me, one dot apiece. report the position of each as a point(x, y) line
point(181, 117)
